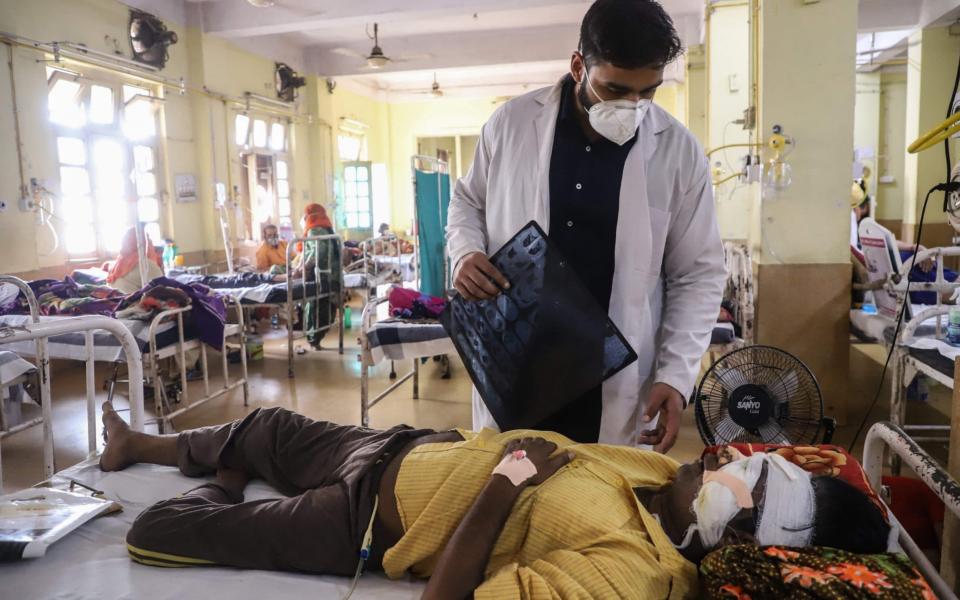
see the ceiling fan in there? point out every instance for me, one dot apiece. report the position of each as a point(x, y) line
point(376, 58)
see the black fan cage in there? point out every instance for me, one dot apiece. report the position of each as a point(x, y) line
point(797, 421)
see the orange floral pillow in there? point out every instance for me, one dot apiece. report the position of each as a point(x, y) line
point(823, 459)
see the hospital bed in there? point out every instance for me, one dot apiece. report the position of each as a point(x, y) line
point(39, 332)
point(294, 293)
point(166, 335)
point(920, 346)
point(371, 271)
point(93, 562)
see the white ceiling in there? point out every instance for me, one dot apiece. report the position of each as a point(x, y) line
point(479, 47)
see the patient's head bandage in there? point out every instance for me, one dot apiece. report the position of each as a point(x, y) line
point(786, 512)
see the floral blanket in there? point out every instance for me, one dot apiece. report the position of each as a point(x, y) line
point(748, 572)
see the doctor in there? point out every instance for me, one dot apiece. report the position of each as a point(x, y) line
point(624, 191)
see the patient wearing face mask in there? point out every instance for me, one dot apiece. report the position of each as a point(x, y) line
point(272, 253)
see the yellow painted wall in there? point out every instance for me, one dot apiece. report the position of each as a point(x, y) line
point(728, 78)
point(931, 66)
point(696, 92)
point(810, 93)
point(672, 97)
point(196, 129)
point(866, 122)
point(893, 145)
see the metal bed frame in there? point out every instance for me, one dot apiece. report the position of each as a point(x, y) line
point(39, 332)
point(162, 402)
point(368, 318)
point(883, 436)
point(336, 300)
point(369, 258)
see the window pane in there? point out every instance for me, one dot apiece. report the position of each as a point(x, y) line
point(351, 204)
point(80, 238)
point(74, 181)
point(351, 220)
point(282, 169)
point(77, 210)
point(101, 104)
point(71, 151)
point(351, 189)
point(241, 130)
point(283, 188)
point(108, 155)
point(143, 158)
point(363, 189)
point(350, 173)
point(363, 204)
point(284, 207)
point(364, 220)
point(149, 210)
point(276, 136)
point(129, 91)
point(362, 174)
point(153, 232)
point(113, 224)
point(64, 104)
point(146, 185)
point(259, 133)
point(109, 185)
point(139, 122)
point(349, 147)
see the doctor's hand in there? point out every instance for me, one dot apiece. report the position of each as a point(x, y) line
point(478, 279)
point(668, 403)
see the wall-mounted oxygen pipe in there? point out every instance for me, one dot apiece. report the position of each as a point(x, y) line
point(18, 140)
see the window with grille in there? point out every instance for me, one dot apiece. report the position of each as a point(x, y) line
point(357, 206)
point(107, 154)
point(264, 143)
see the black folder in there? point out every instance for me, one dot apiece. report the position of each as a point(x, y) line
point(540, 344)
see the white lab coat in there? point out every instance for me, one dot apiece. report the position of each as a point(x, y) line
point(669, 274)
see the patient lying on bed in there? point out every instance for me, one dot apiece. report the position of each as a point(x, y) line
point(470, 512)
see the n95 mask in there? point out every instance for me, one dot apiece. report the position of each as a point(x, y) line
point(616, 120)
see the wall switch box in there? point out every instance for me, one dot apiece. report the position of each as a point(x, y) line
point(887, 179)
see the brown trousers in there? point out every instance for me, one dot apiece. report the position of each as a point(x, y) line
point(328, 472)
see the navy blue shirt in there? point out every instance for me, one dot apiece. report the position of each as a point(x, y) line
point(585, 198)
point(584, 206)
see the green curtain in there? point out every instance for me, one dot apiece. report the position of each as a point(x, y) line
point(432, 202)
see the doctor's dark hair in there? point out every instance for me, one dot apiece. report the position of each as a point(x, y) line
point(846, 518)
point(629, 34)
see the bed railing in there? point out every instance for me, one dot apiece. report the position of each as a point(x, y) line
point(86, 325)
point(886, 435)
point(367, 321)
point(181, 350)
point(335, 293)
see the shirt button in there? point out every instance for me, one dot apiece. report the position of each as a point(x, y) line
point(569, 223)
point(579, 186)
point(588, 148)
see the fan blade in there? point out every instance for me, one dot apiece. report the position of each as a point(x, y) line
point(413, 57)
point(349, 52)
point(784, 387)
point(773, 434)
point(730, 379)
point(727, 431)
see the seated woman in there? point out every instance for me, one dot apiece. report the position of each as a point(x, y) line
point(486, 515)
point(326, 254)
point(124, 273)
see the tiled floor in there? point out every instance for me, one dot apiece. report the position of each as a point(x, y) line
point(327, 386)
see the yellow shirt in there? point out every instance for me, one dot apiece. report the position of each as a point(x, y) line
point(581, 534)
point(268, 256)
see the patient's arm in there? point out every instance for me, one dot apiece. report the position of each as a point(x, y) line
point(460, 569)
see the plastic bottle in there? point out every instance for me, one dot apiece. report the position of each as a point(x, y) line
point(347, 317)
point(953, 327)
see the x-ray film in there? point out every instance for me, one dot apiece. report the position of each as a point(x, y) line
point(540, 344)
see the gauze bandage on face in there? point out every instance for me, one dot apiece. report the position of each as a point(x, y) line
point(786, 512)
point(616, 120)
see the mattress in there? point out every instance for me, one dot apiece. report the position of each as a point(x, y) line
point(405, 265)
point(398, 339)
point(924, 346)
point(723, 333)
point(12, 367)
point(92, 562)
point(70, 346)
point(369, 280)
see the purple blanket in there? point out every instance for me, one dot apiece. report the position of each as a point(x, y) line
point(209, 313)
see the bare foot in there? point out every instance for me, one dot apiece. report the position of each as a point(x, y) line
point(118, 435)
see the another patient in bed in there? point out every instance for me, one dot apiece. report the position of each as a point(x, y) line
point(592, 521)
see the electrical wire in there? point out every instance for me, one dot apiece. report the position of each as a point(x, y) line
point(946, 142)
point(896, 330)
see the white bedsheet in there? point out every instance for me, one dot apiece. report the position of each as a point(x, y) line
point(92, 562)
